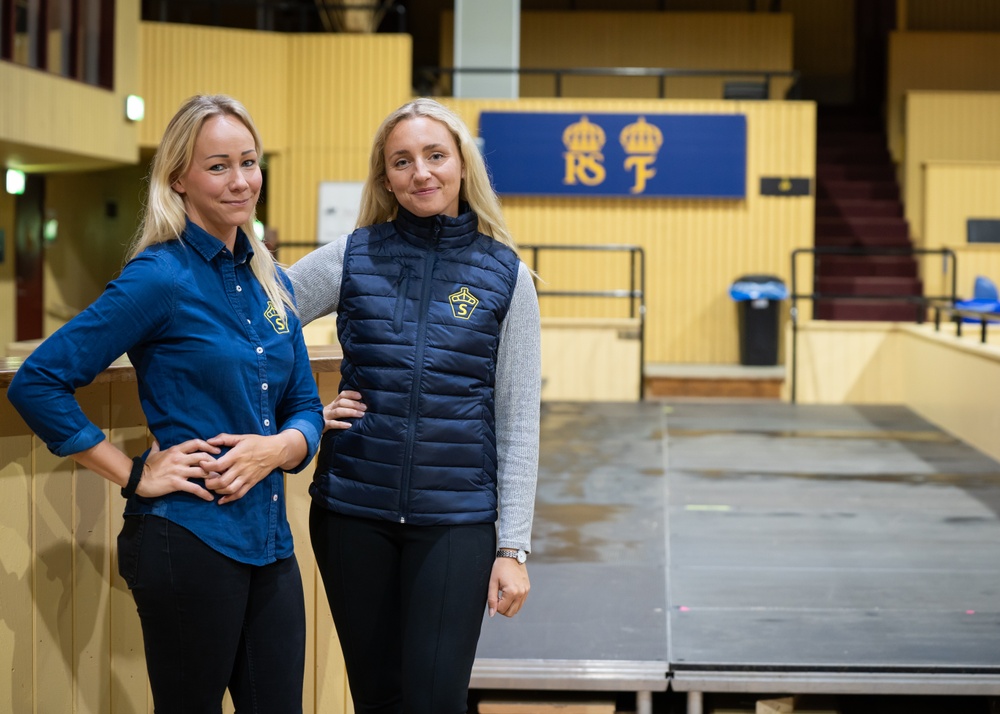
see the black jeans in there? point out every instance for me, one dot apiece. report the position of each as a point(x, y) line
point(210, 623)
point(408, 603)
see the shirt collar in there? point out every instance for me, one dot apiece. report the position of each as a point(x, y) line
point(208, 246)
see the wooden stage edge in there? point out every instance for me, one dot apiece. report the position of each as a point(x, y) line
point(720, 381)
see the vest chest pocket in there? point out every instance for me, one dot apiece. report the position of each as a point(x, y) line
point(402, 285)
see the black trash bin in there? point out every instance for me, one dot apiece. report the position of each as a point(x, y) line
point(758, 300)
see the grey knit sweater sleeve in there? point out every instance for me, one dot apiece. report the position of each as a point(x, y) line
point(316, 280)
point(518, 397)
point(316, 283)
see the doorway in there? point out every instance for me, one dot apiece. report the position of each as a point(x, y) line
point(29, 257)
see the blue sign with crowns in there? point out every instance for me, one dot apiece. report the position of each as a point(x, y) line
point(636, 155)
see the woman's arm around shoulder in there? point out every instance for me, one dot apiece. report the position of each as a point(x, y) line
point(316, 280)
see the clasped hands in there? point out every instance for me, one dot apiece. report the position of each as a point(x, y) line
point(251, 457)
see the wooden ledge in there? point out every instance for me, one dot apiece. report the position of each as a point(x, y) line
point(322, 358)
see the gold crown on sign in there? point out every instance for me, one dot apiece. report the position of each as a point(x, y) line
point(641, 137)
point(584, 136)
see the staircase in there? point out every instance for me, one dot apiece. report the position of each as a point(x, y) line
point(858, 208)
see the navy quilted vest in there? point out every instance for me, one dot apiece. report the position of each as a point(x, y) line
point(421, 305)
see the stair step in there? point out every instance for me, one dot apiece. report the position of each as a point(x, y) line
point(830, 119)
point(881, 229)
point(855, 172)
point(838, 154)
point(867, 310)
point(899, 266)
point(870, 140)
point(858, 208)
point(857, 190)
point(849, 241)
point(869, 285)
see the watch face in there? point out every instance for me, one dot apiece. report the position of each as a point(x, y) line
point(521, 557)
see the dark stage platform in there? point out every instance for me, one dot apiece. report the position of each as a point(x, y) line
point(755, 547)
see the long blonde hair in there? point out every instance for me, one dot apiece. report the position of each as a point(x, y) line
point(164, 215)
point(379, 205)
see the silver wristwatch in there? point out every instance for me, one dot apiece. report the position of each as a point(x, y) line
point(516, 553)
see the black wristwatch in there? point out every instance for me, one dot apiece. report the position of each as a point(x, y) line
point(516, 553)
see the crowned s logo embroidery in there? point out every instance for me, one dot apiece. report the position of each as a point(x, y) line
point(463, 303)
point(279, 323)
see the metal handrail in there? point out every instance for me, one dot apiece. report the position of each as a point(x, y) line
point(958, 313)
point(660, 72)
point(636, 292)
point(924, 300)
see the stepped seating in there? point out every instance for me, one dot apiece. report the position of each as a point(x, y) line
point(858, 209)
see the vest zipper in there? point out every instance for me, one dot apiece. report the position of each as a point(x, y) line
point(418, 369)
point(402, 291)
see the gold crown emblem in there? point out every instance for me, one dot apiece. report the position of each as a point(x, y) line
point(463, 303)
point(641, 138)
point(584, 137)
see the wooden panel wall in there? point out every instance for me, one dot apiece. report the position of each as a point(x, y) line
point(690, 40)
point(936, 61)
point(694, 249)
point(965, 389)
point(945, 126)
point(841, 362)
point(70, 637)
point(890, 363)
point(953, 16)
point(953, 193)
point(341, 88)
point(178, 61)
point(824, 47)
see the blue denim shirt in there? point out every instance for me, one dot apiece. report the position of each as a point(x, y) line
point(211, 356)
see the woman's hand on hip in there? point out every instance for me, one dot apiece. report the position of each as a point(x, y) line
point(347, 405)
point(509, 586)
point(171, 470)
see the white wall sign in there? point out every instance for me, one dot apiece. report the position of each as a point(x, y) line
point(339, 203)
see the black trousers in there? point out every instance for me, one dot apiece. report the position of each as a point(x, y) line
point(408, 604)
point(210, 623)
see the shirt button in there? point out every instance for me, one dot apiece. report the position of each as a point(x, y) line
point(274, 498)
point(248, 320)
point(239, 289)
point(264, 386)
point(267, 422)
point(260, 350)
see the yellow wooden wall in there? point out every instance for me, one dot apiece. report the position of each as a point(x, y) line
point(824, 47)
point(892, 363)
point(953, 193)
point(842, 362)
point(691, 40)
point(945, 126)
point(178, 61)
point(694, 249)
point(960, 61)
point(69, 634)
point(952, 16)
